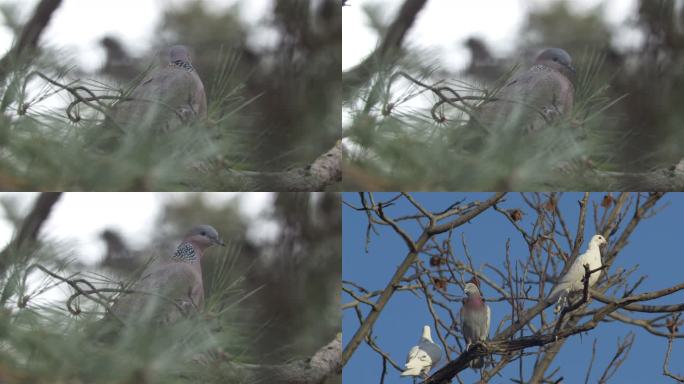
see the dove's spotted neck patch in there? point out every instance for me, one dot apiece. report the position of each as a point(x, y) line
point(186, 253)
point(180, 57)
point(182, 64)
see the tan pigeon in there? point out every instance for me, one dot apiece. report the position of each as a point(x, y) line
point(533, 99)
point(168, 98)
point(171, 287)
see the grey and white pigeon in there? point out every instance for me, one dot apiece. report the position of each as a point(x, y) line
point(475, 319)
point(533, 99)
point(171, 287)
point(168, 98)
point(422, 357)
point(572, 280)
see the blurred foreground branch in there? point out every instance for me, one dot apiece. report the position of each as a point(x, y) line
point(389, 46)
point(28, 40)
point(28, 233)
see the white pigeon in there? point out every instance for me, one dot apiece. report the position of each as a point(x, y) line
point(572, 281)
point(423, 356)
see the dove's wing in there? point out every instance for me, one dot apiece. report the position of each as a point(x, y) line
point(531, 100)
point(165, 100)
point(175, 288)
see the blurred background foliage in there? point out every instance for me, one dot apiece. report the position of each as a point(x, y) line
point(272, 106)
point(628, 107)
point(269, 300)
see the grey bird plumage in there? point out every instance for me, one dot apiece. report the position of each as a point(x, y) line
point(171, 287)
point(533, 99)
point(169, 97)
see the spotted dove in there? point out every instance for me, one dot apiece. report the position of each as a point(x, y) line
point(168, 98)
point(534, 98)
point(172, 286)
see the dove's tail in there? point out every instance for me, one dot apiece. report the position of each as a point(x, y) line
point(558, 295)
point(412, 371)
point(477, 363)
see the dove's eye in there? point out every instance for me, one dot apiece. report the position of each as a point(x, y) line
point(203, 233)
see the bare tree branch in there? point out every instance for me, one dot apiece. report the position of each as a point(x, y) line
point(672, 324)
point(552, 248)
point(414, 248)
point(504, 347)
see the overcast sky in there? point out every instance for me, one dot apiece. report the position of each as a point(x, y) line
point(444, 25)
point(78, 218)
point(78, 25)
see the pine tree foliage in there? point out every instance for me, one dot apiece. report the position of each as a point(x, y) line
point(258, 316)
point(406, 116)
point(272, 107)
point(410, 128)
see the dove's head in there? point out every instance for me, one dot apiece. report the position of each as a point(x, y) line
point(557, 59)
point(471, 289)
point(204, 236)
point(179, 53)
point(597, 240)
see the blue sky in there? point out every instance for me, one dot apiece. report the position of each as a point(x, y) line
point(655, 246)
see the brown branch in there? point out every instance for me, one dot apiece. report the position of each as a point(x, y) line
point(619, 357)
point(325, 171)
point(640, 307)
point(388, 48)
point(325, 363)
point(673, 329)
point(28, 40)
point(663, 179)
point(28, 232)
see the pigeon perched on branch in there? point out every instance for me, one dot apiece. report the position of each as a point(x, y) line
point(572, 280)
point(422, 357)
point(172, 286)
point(534, 98)
point(475, 318)
point(168, 98)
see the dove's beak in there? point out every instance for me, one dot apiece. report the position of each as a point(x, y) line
point(572, 69)
point(219, 242)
